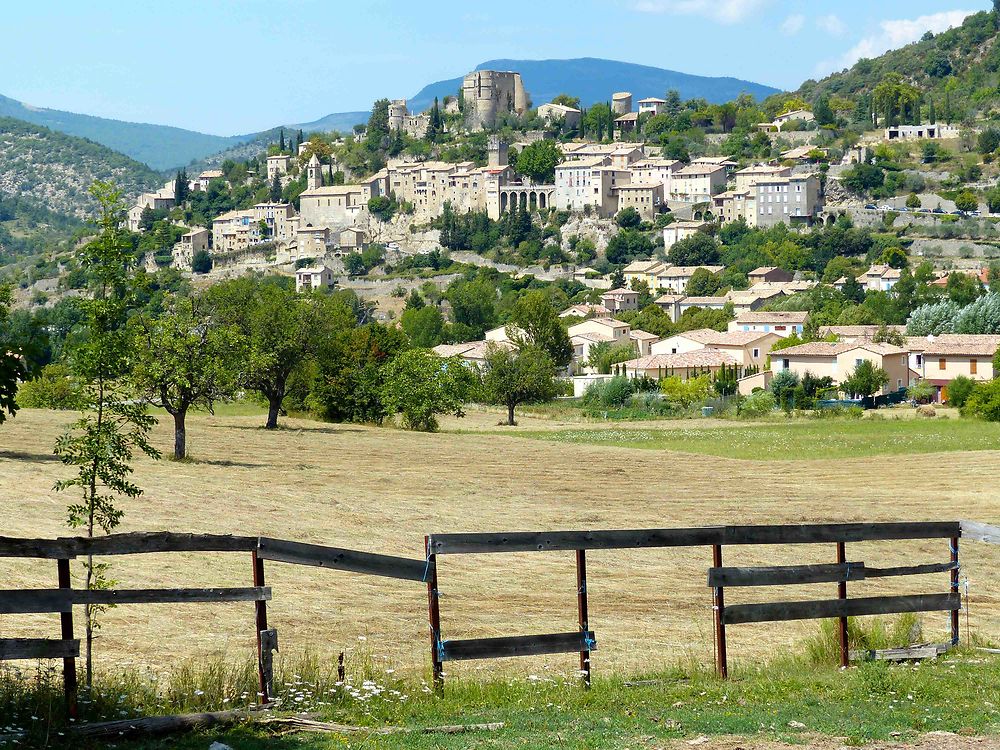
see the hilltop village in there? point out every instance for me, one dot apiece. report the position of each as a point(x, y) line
point(630, 213)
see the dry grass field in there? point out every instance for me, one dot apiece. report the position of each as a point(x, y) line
point(381, 490)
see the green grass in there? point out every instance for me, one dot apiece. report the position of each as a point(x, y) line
point(797, 439)
point(870, 702)
point(959, 692)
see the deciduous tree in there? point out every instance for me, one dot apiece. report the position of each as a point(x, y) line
point(420, 386)
point(185, 360)
point(510, 377)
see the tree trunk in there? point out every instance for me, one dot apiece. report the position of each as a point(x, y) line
point(180, 435)
point(510, 415)
point(274, 406)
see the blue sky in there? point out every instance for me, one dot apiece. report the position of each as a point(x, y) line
point(228, 66)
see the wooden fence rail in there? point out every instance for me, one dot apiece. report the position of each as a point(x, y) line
point(63, 599)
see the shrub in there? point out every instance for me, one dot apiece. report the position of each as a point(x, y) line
point(758, 404)
point(201, 262)
point(959, 390)
point(922, 392)
point(52, 389)
point(613, 393)
point(984, 402)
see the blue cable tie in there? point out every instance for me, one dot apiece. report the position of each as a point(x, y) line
point(589, 642)
point(427, 568)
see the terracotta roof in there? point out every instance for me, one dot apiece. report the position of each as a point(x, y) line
point(866, 331)
point(699, 358)
point(696, 301)
point(956, 343)
point(669, 298)
point(772, 317)
point(588, 336)
point(688, 270)
point(836, 348)
point(644, 335)
point(710, 337)
point(642, 266)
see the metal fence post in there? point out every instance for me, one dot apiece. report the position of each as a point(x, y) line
point(720, 626)
point(434, 616)
point(66, 625)
point(583, 613)
point(954, 590)
point(845, 654)
point(261, 625)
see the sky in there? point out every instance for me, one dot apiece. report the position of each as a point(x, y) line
point(238, 66)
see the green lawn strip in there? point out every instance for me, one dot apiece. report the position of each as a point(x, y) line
point(795, 440)
point(870, 702)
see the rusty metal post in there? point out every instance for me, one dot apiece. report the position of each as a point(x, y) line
point(434, 616)
point(845, 654)
point(261, 620)
point(66, 624)
point(719, 605)
point(583, 613)
point(341, 670)
point(954, 590)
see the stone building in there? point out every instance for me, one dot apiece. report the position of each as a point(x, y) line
point(400, 118)
point(489, 93)
point(621, 103)
point(554, 112)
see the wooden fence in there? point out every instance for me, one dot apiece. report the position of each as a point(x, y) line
point(581, 640)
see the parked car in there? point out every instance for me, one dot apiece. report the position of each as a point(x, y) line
point(938, 211)
point(886, 208)
point(871, 207)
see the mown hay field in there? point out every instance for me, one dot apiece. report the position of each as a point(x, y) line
point(382, 489)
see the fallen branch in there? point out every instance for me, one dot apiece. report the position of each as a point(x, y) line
point(309, 725)
point(184, 722)
point(162, 724)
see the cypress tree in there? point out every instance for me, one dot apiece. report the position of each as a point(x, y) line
point(281, 140)
point(931, 114)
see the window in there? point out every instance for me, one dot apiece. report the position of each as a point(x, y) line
point(784, 363)
point(973, 366)
point(920, 360)
point(756, 353)
point(942, 364)
point(858, 362)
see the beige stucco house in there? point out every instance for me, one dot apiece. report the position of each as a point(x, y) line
point(782, 323)
point(941, 359)
point(838, 360)
point(686, 365)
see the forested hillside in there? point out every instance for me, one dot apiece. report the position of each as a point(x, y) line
point(160, 146)
point(958, 70)
point(52, 170)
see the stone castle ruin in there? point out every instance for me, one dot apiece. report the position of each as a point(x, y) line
point(411, 124)
point(489, 93)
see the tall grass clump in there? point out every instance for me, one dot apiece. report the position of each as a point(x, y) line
point(867, 634)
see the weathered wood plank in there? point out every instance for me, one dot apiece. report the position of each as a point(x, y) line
point(335, 558)
point(875, 605)
point(40, 548)
point(172, 596)
point(780, 575)
point(910, 570)
point(125, 544)
point(29, 601)
point(907, 653)
point(162, 541)
point(532, 541)
point(519, 645)
point(981, 532)
point(38, 648)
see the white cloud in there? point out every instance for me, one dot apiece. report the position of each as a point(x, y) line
point(831, 24)
point(793, 24)
point(893, 34)
point(723, 11)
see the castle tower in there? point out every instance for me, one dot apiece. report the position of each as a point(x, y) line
point(497, 152)
point(397, 113)
point(621, 103)
point(314, 176)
